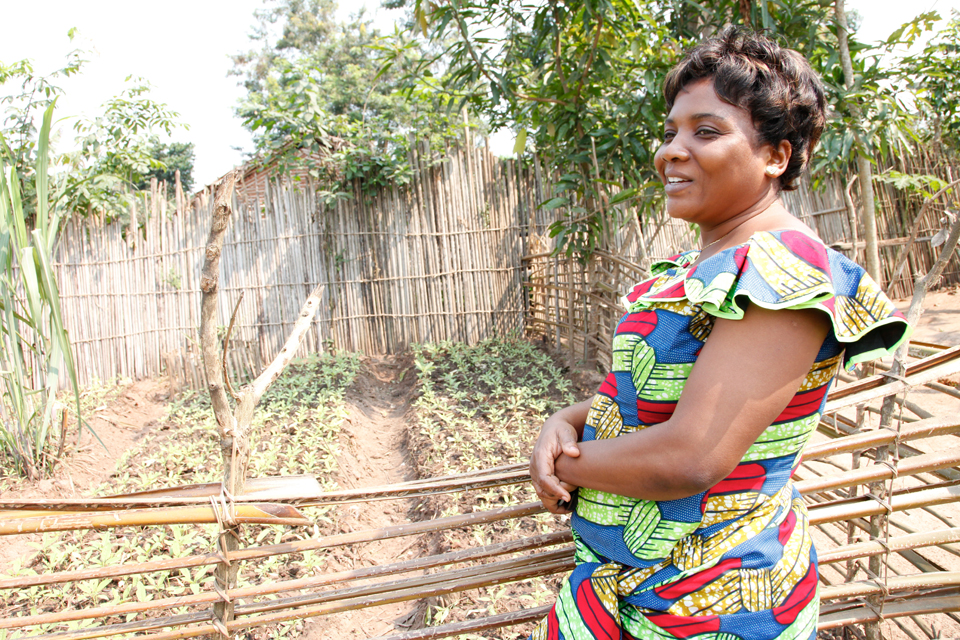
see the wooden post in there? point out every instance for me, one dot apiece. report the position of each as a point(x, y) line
point(233, 444)
point(234, 427)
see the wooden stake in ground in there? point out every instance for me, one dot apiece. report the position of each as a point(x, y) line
point(234, 427)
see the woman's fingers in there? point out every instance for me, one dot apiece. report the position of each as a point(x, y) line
point(542, 475)
point(554, 441)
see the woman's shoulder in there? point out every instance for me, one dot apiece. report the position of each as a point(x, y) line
point(778, 269)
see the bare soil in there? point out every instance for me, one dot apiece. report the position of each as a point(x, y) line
point(118, 423)
point(374, 453)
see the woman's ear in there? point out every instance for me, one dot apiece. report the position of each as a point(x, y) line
point(778, 159)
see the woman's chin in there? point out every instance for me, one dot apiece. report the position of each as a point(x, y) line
point(680, 213)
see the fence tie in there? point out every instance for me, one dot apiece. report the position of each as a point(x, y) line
point(890, 464)
point(894, 376)
point(224, 596)
point(220, 627)
point(226, 516)
point(883, 503)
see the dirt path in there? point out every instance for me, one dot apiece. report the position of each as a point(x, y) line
point(374, 453)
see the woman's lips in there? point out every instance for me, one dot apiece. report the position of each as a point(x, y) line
point(675, 185)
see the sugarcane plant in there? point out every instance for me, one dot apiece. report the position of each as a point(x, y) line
point(35, 354)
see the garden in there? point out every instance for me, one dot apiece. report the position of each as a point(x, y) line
point(300, 402)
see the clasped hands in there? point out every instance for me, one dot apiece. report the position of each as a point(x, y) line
point(557, 438)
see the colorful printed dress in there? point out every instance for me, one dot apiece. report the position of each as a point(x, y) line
point(737, 561)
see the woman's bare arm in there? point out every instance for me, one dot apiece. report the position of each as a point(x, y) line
point(746, 374)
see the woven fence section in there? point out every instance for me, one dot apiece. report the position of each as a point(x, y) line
point(436, 259)
point(461, 252)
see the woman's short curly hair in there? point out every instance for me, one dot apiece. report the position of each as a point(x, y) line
point(777, 86)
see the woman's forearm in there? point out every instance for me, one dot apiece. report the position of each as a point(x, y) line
point(645, 464)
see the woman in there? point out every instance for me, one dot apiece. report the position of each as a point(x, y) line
point(685, 519)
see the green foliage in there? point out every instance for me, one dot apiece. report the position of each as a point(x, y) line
point(320, 89)
point(34, 346)
point(581, 81)
point(113, 151)
point(923, 184)
point(299, 425)
point(173, 157)
point(481, 407)
point(116, 151)
point(933, 77)
point(26, 95)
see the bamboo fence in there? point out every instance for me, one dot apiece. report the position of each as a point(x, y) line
point(917, 460)
point(462, 252)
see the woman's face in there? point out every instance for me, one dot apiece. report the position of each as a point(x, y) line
point(711, 163)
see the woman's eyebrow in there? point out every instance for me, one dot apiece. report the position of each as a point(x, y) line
point(701, 116)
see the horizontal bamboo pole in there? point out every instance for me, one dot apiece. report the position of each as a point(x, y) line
point(135, 626)
point(869, 439)
point(200, 494)
point(877, 472)
point(864, 506)
point(499, 621)
point(418, 582)
point(928, 369)
point(912, 607)
point(267, 551)
point(17, 522)
point(858, 550)
point(417, 564)
point(892, 584)
point(899, 543)
point(484, 580)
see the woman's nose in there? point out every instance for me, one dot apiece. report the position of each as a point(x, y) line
point(674, 150)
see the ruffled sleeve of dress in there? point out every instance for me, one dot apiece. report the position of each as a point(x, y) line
point(785, 270)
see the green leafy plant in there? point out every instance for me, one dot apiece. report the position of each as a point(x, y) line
point(342, 127)
point(34, 346)
point(115, 152)
point(298, 430)
point(481, 406)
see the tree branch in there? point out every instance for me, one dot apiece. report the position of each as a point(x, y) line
point(210, 286)
point(462, 27)
point(593, 53)
point(226, 345)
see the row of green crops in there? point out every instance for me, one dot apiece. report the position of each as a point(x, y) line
point(479, 407)
point(296, 431)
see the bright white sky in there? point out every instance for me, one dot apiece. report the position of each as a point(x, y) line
point(182, 47)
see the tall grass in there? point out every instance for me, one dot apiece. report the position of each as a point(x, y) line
point(34, 346)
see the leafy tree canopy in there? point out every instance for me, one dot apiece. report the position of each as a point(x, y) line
point(933, 78)
point(310, 79)
point(174, 156)
point(580, 82)
point(113, 152)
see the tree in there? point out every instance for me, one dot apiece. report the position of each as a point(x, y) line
point(580, 82)
point(175, 156)
point(113, 151)
point(933, 78)
point(313, 83)
point(116, 151)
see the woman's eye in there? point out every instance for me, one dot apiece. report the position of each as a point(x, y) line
point(706, 132)
point(668, 136)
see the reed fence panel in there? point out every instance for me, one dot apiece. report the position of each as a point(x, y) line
point(462, 252)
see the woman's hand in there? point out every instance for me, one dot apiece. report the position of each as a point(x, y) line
point(558, 436)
